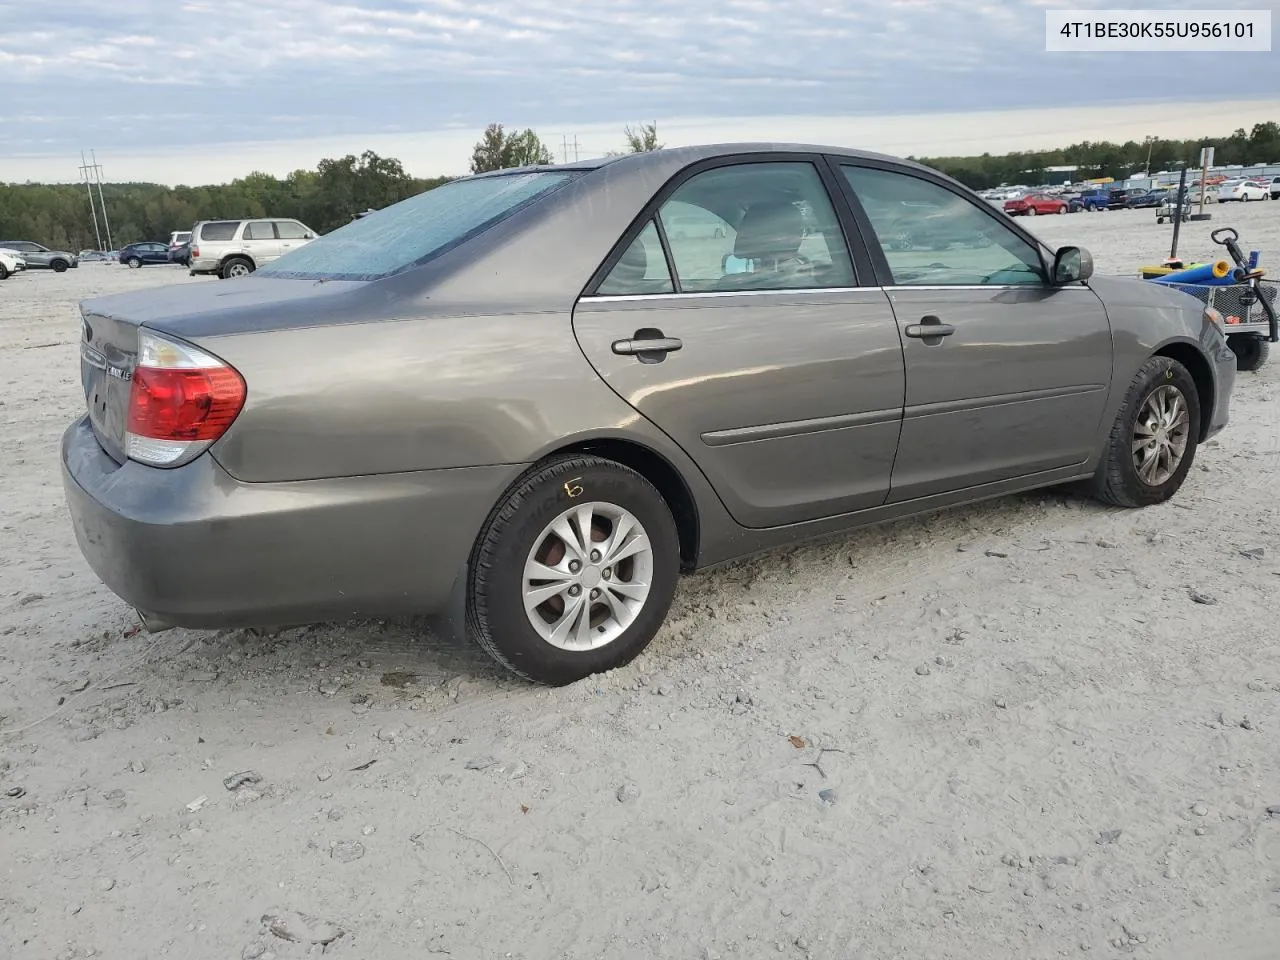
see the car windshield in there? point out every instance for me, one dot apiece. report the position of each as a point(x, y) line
point(413, 231)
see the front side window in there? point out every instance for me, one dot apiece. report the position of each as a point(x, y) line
point(641, 269)
point(934, 237)
point(290, 230)
point(756, 226)
point(412, 231)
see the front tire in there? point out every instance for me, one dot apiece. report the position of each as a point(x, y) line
point(4, 272)
point(59, 266)
point(133, 263)
point(574, 571)
point(1154, 439)
point(1031, 211)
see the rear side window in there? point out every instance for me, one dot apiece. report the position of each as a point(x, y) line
point(413, 231)
point(641, 269)
point(259, 230)
point(219, 230)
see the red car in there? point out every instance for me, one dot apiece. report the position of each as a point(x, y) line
point(1033, 204)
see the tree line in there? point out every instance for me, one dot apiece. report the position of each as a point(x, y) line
point(1118, 160)
point(325, 198)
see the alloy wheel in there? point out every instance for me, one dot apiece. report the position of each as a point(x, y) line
point(1160, 435)
point(588, 576)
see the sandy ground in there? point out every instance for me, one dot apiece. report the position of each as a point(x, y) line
point(1001, 732)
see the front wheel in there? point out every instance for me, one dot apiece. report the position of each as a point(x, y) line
point(133, 263)
point(1153, 441)
point(574, 571)
point(1031, 211)
point(4, 272)
point(59, 266)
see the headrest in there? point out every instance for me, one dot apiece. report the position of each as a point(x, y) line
point(770, 230)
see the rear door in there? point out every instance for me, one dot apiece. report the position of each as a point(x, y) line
point(732, 317)
point(1018, 382)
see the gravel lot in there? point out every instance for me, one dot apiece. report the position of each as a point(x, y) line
point(1001, 732)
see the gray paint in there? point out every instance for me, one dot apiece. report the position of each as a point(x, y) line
point(384, 419)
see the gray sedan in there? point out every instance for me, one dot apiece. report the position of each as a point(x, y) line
point(526, 401)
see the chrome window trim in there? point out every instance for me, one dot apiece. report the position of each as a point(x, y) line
point(720, 294)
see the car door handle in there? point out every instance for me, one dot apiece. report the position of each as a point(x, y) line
point(648, 346)
point(929, 328)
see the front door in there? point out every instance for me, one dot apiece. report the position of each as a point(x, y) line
point(759, 354)
point(291, 235)
point(1012, 379)
point(260, 241)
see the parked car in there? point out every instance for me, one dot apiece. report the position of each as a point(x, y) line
point(136, 254)
point(513, 401)
point(1274, 188)
point(1033, 204)
point(180, 247)
point(10, 263)
point(39, 257)
point(1243, 191)
point(236, 248)
point(1145, 199)
point(1095, 199)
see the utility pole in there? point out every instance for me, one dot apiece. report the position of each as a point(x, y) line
point(106, 225)
point(93, 210)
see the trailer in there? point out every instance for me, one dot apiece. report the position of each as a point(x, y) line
point(1240, 296)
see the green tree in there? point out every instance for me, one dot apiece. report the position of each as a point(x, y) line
point(499, 150)
point(642, 140)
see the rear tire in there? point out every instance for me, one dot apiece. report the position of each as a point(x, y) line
point(1161, 394)
point(236, 267)
point(1251, 352)
point(4, 272)
point(548, 643)
point(133, 263)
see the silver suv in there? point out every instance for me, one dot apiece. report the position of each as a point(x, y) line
point(39, 257)
point(236, 248)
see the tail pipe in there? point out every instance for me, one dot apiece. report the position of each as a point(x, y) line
point(152, 623)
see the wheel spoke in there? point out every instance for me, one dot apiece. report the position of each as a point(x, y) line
point(563, 529)
point(631, 591)
point(621, 528)
point(584, 519)
point(536, 596)
point(562, 628)
point(630, 548)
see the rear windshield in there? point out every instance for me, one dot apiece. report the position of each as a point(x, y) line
point(415, 230)
point(219, 230)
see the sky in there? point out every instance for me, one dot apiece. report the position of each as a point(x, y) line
point(194, 91)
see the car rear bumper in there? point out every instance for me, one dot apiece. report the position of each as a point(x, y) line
point(194, 547)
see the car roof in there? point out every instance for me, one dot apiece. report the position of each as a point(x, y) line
point(687, 155)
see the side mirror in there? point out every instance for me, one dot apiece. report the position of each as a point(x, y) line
point(1071, 265)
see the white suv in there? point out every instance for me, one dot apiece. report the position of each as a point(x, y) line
point(236, 248)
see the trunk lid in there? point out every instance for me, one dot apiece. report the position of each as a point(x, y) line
point(108, 352)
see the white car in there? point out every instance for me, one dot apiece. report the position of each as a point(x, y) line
point(1243, 190)
point(11, 262)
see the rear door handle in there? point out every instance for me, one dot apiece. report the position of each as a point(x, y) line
point(647, 346)
point(929, 328)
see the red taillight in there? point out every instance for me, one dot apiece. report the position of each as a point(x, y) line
point(169, 404)
point(195, 253)
point(181, 400)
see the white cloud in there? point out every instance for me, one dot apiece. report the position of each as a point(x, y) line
point(228, 71)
